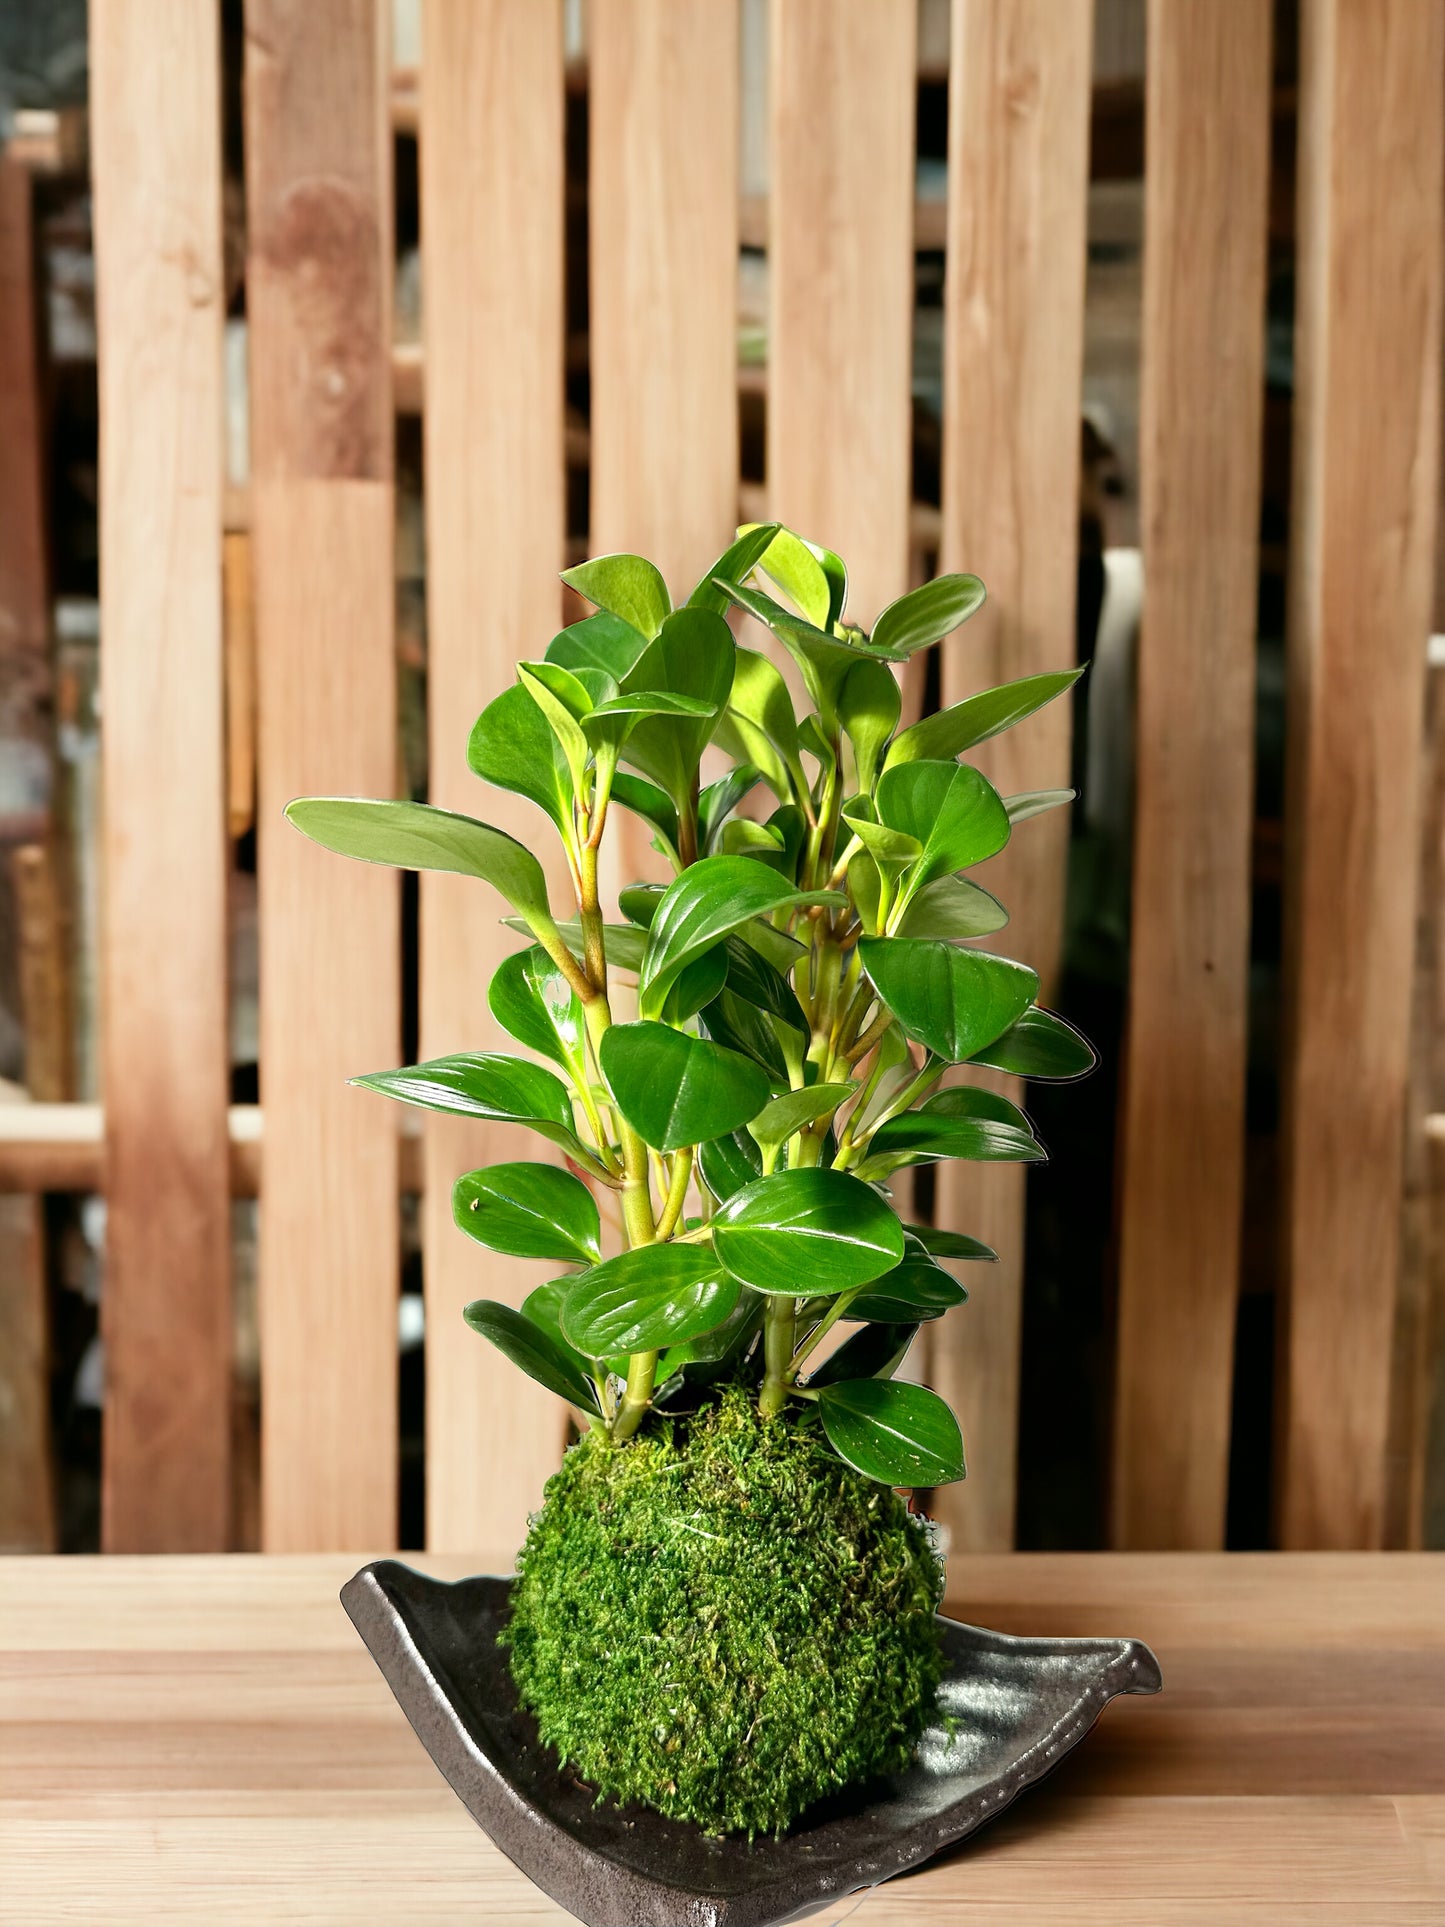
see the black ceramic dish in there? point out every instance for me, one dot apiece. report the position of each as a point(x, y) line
point(1020, 1706)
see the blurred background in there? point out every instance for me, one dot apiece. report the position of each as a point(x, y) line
point(982, 366)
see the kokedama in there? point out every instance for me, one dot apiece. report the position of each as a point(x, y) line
point(723, 1608)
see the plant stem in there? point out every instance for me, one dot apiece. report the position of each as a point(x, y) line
point(641, 1371)
point(824, 1325)
point(676, 1193)
point(780, 1323)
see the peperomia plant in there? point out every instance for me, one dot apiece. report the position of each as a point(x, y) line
point(804, 985)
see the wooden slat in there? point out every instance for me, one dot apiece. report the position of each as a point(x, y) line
point(240, 627)
point(322, 491)
point(1013, 350)
point(840, 266)
point(1181, 1191)
point(166, 1314)
point(663, 247)
point(491, 125)
point(1365, 465)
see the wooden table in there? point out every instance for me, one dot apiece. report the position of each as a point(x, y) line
point(206, 1740)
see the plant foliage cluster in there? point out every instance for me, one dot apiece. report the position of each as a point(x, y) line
point(804, 987)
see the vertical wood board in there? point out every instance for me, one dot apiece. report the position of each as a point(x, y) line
point(1365, 472)
point(492, 182)
point(1181, 1190)
point(1013, 356)
point(322, 521)
point(166, 1313)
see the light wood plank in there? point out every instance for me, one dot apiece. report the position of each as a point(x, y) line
point(1365, 469)
point(663, 247)
point(1013, 355)
point(166, 1317)
point(491, 125)
point(319, 268)
point(1181, 1192)
point(840, 265)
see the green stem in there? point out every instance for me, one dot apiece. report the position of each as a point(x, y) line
point(820, 1331)
point(641, 1371)
point(676, 1193)
point(780, 1320)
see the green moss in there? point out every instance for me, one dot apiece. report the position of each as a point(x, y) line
point(723, 1620)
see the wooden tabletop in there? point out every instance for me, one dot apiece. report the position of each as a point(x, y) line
point(206, 1740)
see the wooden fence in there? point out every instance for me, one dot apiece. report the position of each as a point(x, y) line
point(664, 235)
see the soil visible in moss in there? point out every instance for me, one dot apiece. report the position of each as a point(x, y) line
point(724, 1621)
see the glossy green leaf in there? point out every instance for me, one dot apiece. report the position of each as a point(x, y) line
point(807, 1232)
point(703, 1358)
point(691, 656)
point(543, 1305)
point(950, 1244)
point(529, 1211)
point(952, 907)
point(927, 614)
point(601, 642)
point(644, 1299)
point(735, 564)
point(836, 571)
point(613, 722)
point(708, 901)
point(563, 700)
point(529, 1345)
point(869, 705)
point(742, 838)
point(718, 801)
point(653, 805)
point(739, 1025)
point(533, 1002)
point(1035, 803)
point(624, 585)
point(763, 725)
point(728, 1163)
point(785, 1115)
point(961, 1122)
point(624, 942)
point(874, 1351)
point(823, 659)
point(974, 720)
point(513, 746)
point(891, 850)
point(695, 986)
point(760, 983)
point(1040, 1045)
point(955, 813)
point(791, 566)
point(899, 1434)
point(865, 886)
point(954, 1001)
point(489, 1085)
point(414, 836)
point(914, 1292)
point(675, 1089)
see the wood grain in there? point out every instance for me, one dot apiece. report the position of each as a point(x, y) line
point(1365, 468)
point(840, 266)
point(1013, 352)
point(491, 127)
point(1182, 1145)
point(166, 1316)
point(663, 255)
point(167, 1727)
point(322, 529)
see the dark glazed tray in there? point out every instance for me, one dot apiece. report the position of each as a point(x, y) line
point(1019, 1705)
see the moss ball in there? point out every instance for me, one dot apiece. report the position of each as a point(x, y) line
point(724, 1621)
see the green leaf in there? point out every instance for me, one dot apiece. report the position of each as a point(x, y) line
point(562, 700)
point(955, 813)
point(543, 1306)
point(709, 900)
point(735, 1022)
point(760, 983)
point(835, 569)
point(974, 720)
point(823, 659)
point(783, 1116)
point(512, 745)
point(503, 1090)
point(899, 1434)
point(865, 885)
point(1039, 1045)
point(763, 725)
point(952, 907)
point(1035, 803)
point(624, 585)
point(715, 1347)
point(691, 656)
point(742, 838)
point(602, 642)
point(875, 1351)
point(869, 705)
point(718, 801)
point(624, 941)
point(414, 836)
point(527, 1344)
point(728, 1163)
point(653, 805)
point(961, 1122)
point(644, 1299)
point(950, 1244)
point(694, 986)
point(807, 1232)
point(735, 564)
point(792, 567)
point(891, 850)
point(953, 1001)
point(912, 1293)
point(928, 614)
point(529, 1211)
point(612, 722)
point(675, 1089)
point(533, 1002)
